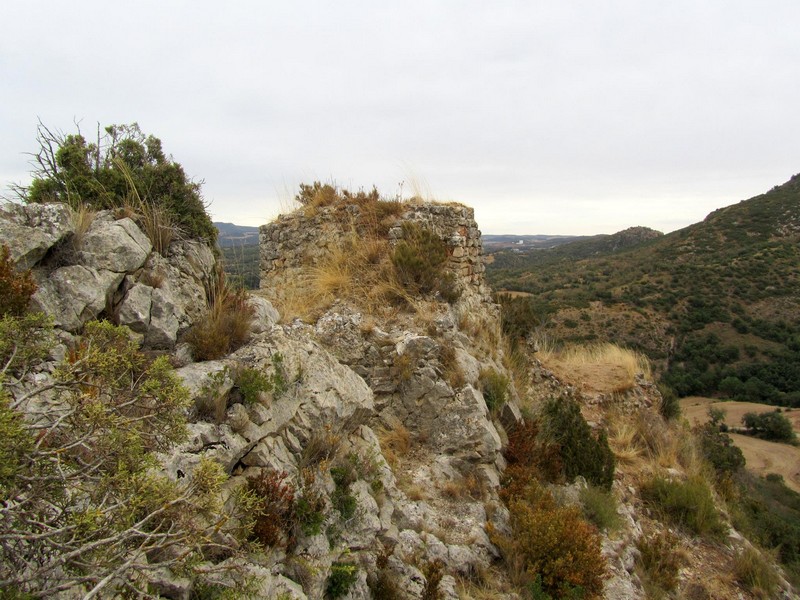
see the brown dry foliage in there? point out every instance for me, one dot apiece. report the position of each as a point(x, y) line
point(226, 323)
point(16, 287)
point(274, 520)
point(552, 545)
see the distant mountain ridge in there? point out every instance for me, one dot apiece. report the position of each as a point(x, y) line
point(235, 235)
point(716, 304)
point(492, 243)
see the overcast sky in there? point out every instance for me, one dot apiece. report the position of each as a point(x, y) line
point(560, 117)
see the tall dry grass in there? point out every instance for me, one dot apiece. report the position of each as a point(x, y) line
point(604, 367)
point(82, 217)
point(358, 270)
point(225, 325)
point(156, 221)
point(645, 443)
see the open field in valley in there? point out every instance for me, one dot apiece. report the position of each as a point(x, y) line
point(762, 456)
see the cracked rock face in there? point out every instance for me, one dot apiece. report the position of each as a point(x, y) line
point(111, 271)
point(31, 230)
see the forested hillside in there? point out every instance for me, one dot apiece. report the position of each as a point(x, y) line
point(716, 305)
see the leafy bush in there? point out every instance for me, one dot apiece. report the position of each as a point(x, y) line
point(529, 457)
point(753, 571)
point(310, 505)
point(520, 316)
point(344, 473)
point(16, 288)
point(770, 426)
point(670, 407)
point(419, 260)
point(600, 507)
point(659, 561)
point(718, 448)
point(251, 383)
point(552, 544)
point(581, 452)
point(24, 341)
point(687, 504)
point(341, 579)
point(78, 476)
point(124, 163)
point(274, 513)
point(768, 512)
point(495, 388)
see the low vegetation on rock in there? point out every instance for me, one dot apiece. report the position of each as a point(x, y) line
point(83, 507)
point(123, 169)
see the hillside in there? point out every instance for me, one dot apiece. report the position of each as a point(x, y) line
point(355, 429)
point(493, 243)
point(238, 245)
point(716, 305)
point(572, 249)
point(236, 235)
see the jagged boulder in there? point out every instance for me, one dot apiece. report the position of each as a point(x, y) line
point(31, 230)
point(75, 294)
point(110, 270)
point(114, 245)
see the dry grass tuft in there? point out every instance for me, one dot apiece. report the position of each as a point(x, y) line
point(645, 442)
point(359, 270)
point(484, 331)
point(605, 368)
point(756, 573)
point(158, 223)
point(395, 440)
point(320, 448)
point(226, 323)
point(82, 218)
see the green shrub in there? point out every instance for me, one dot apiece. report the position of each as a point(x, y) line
point(581, 452)
point(310, 511)
point(768, 512)
point(279, 381)
point(495, 388)
point(341, 579)
point(25, 340)
point(125, 163)
point(553, 545)
point(718, 448)
point(687, 504)
point(16, 288)
point(754, 572)
point(771, 426)
point(85, 475)
point(659, 562)
point(419, 260)
point(670, 407)
point(251, 383)
point(600, 507)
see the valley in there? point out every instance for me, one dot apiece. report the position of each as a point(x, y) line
point(763, 456)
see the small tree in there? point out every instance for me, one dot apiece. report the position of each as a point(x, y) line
point(582, 453)
point(770, 426)
point(84, 508)
point(123, 166)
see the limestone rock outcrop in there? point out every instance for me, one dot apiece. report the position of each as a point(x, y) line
point(105, 266)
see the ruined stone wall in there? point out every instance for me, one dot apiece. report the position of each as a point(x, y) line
point(297, 241)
